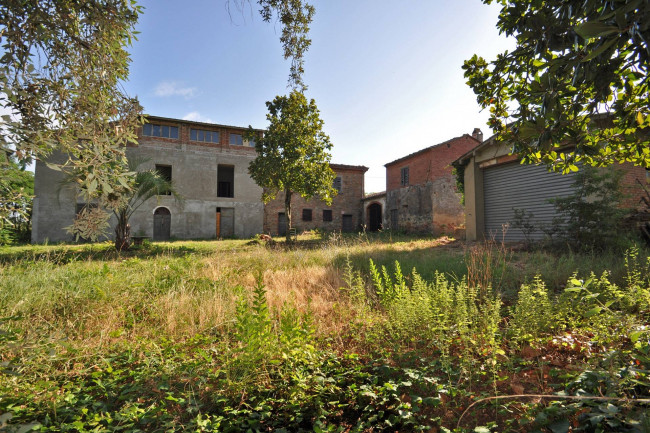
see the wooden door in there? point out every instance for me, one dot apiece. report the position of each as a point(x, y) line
point(282, 224)
point(348, 223)
point(162, 222)
point(227, 222)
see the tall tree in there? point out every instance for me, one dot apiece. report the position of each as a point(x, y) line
point(293, 155)
point(60, 74)
point(579, 76)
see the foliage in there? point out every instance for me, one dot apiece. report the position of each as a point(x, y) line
point(60, 72)
point(594, 212)
point(145, 185)
point(590, 218)
point(228, 336)
point(292, 156)
point(16, 195)
point(578, 76)
point(295, 16)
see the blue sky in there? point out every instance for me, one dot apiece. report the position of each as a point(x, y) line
point(386, 76)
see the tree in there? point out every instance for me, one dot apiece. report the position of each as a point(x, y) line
point(578, 76)
point(16, 195)
point(61, 70)
point(292, 156)
point(146, 185)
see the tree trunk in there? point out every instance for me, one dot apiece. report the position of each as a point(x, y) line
point(122, 233)
point(287, 212)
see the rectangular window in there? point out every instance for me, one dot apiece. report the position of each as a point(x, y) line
point(327, 215)
point(306, 214)
point(236, 140)
point(404, 176)
point(164, 131)
point(337, 183)
point(225, 181)
point(251, 142)
point(204, 135)
point(165, 171)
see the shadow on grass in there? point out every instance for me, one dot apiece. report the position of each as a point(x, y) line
point(67, 253)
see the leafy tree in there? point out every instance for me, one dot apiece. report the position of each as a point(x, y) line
point(292, 156)
point(143, 186)
point(60, 72)
point(295, 17)
point(16, 194)
point(578, 75)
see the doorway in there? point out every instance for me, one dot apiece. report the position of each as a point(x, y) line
point(282, 224)
point(374, 217)
point(225, 222)
point(162, 222)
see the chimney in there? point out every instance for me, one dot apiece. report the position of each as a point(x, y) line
point(478, 134)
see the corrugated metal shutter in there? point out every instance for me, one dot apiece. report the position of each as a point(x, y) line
point(515, 186)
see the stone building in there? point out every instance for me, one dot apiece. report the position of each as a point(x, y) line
point(345, 213)
point(421, 193)
point(208, 164)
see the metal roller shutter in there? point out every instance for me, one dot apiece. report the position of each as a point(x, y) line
point(528, 187)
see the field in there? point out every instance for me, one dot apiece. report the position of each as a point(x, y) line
point(358, 333)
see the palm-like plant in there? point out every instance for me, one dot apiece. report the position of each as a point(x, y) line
point(146, 184)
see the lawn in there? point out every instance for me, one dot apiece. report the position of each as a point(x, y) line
point(335, 333)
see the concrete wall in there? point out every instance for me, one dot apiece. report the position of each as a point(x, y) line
point(194, 173)
point(347, 202)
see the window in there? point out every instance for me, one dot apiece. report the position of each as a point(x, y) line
point(236, 140)
point(306, 214)
point(225, 180)
point(251, 142)
point(205, 136)
point(165, 171)
point(404, 176)
point(165, 131)
point(337, 183)
point(327, 215)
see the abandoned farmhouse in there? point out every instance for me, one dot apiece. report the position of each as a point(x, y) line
point(208, 164)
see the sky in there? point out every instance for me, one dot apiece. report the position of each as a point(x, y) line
point(386, 76)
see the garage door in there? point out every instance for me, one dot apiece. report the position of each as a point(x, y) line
point(515, 186)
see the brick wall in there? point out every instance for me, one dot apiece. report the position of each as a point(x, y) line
point(428, 164)
point(631, 187)
point(430, 203)
point(347, 202)
point(184, 128)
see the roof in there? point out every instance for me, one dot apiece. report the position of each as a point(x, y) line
point(362, 168)
point(461, 159)
point(426, 149)
point(374, 195)
point(192, 122)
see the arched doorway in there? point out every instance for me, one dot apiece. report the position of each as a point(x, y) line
point(374, 217)
point(162, 222)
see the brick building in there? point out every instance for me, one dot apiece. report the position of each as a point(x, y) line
point(344, 214)
point(208, 164)
point(421, 193)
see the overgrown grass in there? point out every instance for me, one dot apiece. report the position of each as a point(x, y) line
point(334, 333)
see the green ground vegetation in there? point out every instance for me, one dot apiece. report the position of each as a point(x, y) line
point(331, 333)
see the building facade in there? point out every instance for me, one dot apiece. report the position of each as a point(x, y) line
point(208, 165)
point(421, 192)
point(497, 185)
point(344, 214)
